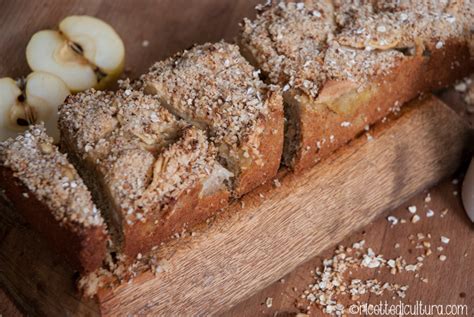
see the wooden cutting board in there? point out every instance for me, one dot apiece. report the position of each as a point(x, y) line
point(261, 238)
point(245, 248)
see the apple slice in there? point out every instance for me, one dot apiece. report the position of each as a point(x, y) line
point(29, 101)
point(85, 52)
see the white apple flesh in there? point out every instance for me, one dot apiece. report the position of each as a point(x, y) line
point(49, 52)
point(85, 52)
point(32, 101)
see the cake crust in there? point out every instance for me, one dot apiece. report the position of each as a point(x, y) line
point(214, 88)
point(344, 67)
point(47, 191)
point(149, 169)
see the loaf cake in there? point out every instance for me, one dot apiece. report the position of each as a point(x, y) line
point(214, 88)
point(46, 189)
point(344, 65)
point(152, 174)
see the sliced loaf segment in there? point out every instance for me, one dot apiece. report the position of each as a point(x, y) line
point(153, 174)
point(213, 87)
point(343, 66)
point(47, 190)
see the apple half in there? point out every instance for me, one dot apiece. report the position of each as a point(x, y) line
point(84, 52)
point(29, 101)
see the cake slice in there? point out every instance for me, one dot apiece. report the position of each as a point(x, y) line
point(46, 189)
point(153, 175)
point(343, 66)
point(214, 88)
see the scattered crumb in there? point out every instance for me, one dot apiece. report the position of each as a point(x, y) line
point(415, 219)
point(412, 209)
point(145, 43)
point(429, 213)
point(269, 302)
point(393, 220)
point(442, 257)
point(444, 239)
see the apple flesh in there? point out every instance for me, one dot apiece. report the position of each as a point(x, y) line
point(85, 53)
point(30, 101)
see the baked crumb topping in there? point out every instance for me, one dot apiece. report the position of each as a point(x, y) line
point(178, 169)
point(345, 63)
point(127, 114)
point(129, 145)
point(289, 40)
point(48, 175)
point(215, 88)
point(301, 45)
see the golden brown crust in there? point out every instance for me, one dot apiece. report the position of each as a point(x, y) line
point(270, 147)
point(45, 189)
point(344, 66)
point(179, 217)
point(146, 167)
point(174, 210)
point(323, 131)
point(84, 249)
point(213, 87)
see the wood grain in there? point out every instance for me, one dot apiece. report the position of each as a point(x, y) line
point(235, 255)
point(449, 282)
point(191, 21)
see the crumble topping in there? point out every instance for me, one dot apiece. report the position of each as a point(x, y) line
point(127, 113)
point(179, 168)
point(342, 63)
point(401, 29)
point(48, 175)
point(144, 183)
point(289, 40)
point(294, 43)
point(129, 145)
point(215, 88)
